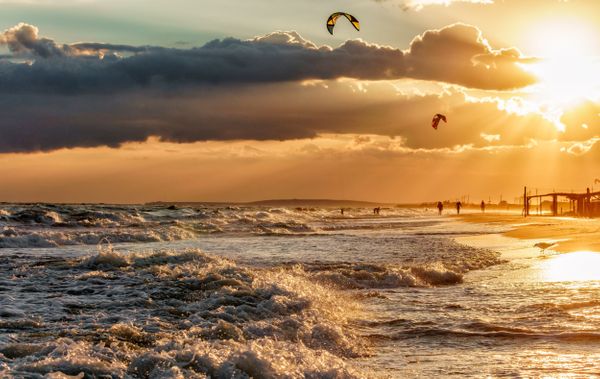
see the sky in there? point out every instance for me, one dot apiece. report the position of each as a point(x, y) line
point(239, 100)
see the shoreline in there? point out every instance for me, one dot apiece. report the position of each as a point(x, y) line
point(569, 234)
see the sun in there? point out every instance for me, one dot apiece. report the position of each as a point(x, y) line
point(568, 66)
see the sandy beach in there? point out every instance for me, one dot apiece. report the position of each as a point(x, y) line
point(570, 234)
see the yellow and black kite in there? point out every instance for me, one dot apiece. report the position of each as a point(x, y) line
point(334, 17)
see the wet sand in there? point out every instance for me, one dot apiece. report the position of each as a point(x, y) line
point(570, 234)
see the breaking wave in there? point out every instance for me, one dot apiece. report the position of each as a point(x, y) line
point(445, 266)
point(47, 225)
point(363, 276)
point(172, 314)
point(19, 238)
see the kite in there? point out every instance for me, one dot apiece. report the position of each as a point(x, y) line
point(436, 120)
point(334, 17)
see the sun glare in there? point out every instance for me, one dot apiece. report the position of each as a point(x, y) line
point(572, 267)
point(567, 68)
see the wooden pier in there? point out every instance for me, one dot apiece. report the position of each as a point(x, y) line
point(585, 204)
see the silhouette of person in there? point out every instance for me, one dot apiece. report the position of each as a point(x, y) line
point(342, 211)
point(440, 207)
point(458, 206)
point(482, 206)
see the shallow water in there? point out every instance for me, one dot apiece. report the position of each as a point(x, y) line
point(136, 291)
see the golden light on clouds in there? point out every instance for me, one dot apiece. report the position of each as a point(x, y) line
point(349, 166)
point(302, 115)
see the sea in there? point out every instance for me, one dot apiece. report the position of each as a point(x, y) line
point(150, 291)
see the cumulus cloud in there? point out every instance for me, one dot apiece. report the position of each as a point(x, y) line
point(455, 54)
point(459, 54)
point(24, 39)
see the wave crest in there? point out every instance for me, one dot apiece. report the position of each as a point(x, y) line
point(183, 314)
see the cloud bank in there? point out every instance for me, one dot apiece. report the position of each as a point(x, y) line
point(282, 111)
point(92, 94)
point(455, 54)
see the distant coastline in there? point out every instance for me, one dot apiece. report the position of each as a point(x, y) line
point(320, 203)
point(330, 203)
point(289, 203)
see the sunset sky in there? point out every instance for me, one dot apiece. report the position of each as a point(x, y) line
point(239, 100)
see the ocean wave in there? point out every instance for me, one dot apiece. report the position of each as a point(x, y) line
point(104, 218)
point(492, 332)
point(36, 216)
point(237, 220)
point(447, 271)
point(18, 238)
point(47, 225)
point(72, 216)
point(546, 307)
point(176, 314)
point(262, 358)
point(284, 228)
point(367, 224)
point(558, 310)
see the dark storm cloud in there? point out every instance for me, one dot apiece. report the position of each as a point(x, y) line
point(82, 47)
point(95, 94)
point(455, 54)
point(270, 112)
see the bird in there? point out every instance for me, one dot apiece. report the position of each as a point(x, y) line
point(545, 245)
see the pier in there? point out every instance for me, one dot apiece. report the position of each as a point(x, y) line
point(586, 204)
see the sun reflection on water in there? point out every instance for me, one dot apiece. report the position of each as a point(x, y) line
point(572, 267)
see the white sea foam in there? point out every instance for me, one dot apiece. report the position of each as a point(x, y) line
point(290, 302)
point(180, 314)
point(23, 238)
point(34, 226)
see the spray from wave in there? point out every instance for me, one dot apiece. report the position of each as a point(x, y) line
point(174, 314)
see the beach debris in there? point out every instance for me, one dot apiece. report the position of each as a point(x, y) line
point(545, 245)
point(332, 20)
point(436, 120)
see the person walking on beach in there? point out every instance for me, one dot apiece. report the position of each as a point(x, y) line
point(440, 207)
point(482, 206)
point(458, 206)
